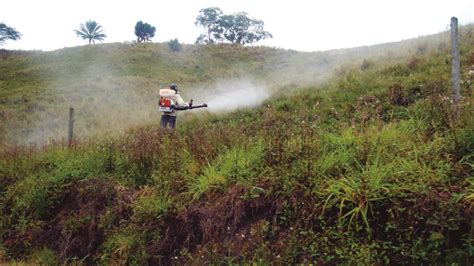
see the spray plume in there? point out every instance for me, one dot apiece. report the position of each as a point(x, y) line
point(230, 95)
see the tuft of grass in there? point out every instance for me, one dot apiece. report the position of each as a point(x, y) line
point(125, 247)
point(43, 256)
point(211, 179)
point(354, 194)
point(151, 205)
point(237, 165)
point(469, 196)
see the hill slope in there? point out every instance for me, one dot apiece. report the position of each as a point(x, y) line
point(114, 86)
point(371, 166)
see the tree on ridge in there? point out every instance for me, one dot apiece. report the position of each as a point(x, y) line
point(91, 31)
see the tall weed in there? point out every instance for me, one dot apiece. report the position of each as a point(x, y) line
point(238, 165)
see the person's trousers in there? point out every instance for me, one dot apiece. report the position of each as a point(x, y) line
point(168, 120)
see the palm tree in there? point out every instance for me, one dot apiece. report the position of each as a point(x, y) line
point(91, 31)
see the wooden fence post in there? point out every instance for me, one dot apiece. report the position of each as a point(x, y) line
point(456, 65)
point(70, 134)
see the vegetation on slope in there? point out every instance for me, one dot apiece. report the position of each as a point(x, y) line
point(114, 86)
point(371, 167)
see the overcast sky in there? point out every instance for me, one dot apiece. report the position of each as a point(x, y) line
point(312, 25)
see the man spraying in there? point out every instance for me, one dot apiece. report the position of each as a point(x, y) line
point(171, 102)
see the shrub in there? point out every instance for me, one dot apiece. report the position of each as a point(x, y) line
point(174, 45)
point(367, 64)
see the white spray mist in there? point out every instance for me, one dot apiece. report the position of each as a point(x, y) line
point(229, 95)
point(104, 102)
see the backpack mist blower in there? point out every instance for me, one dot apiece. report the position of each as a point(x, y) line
point(168, 105)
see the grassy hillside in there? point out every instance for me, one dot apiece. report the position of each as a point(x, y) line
point(372, 166)
point(114, 86)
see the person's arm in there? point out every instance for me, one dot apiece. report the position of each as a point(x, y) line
point(180, 101)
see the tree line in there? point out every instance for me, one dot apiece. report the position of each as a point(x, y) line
point(218, 27)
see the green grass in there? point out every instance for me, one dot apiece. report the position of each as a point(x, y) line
point(371, 166)
point(237, 165)
point(114, 86)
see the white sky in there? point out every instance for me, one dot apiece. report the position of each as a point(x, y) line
point(300, 25)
